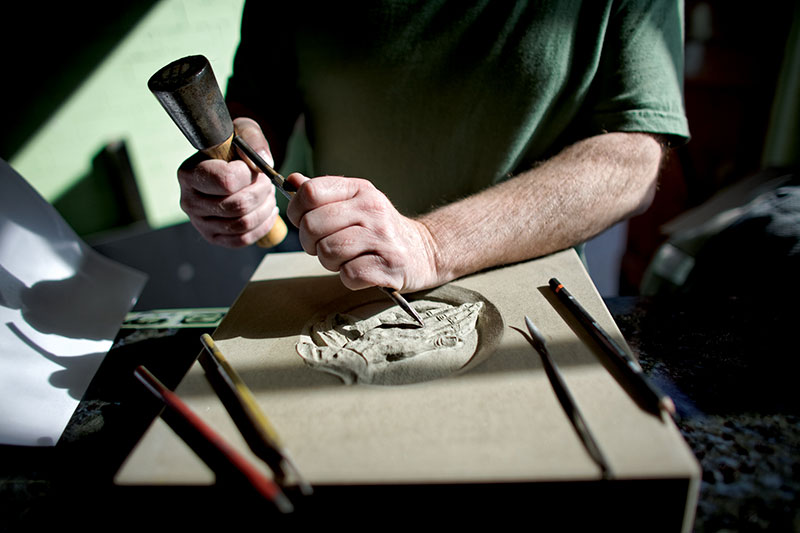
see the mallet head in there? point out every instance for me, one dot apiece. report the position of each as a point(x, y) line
point(188, 91)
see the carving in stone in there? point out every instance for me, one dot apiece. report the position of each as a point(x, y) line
point(381, 346)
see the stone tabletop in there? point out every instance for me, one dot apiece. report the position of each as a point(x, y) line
point(731, 365)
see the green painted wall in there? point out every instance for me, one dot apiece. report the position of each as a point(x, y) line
point(113, 103)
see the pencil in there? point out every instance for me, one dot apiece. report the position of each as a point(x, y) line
point(654, 399)
point(255, 427)
point(208, 444)
point(566, 399)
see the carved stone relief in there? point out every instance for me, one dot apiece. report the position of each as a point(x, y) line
point(372, 344)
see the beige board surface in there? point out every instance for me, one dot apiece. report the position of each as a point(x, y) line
point(496, 421)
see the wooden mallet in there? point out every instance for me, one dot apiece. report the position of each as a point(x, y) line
point(187, 89)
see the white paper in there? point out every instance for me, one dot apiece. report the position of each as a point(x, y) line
point(61, 305)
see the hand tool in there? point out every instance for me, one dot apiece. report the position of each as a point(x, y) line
point(655, 399)
point(208, 444)
point(566, 399)
point(188, 91)
point(395, 295)
point(252, 423)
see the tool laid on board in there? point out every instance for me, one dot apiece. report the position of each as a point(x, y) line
point(654, 399)
point(566, 399)
point(187, 89)
point(258, 432)
point(210, 446)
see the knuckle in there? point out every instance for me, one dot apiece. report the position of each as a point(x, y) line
point(309, 228)
point(242, 225)
point(362, 184)
point(356, 274)
point(195, 206)
point(227, 181)
point(244, 202)
point(309, 246)
point(350, 277)
point(374, 201)
point(238, 205)
point(184, 176)
point(376, 204)
point(187, 204)
point(328, 263)
point(326, 249)
point(332, 250)
point(310, 249)
point(187, 179)
point(365, 187)
point(312, 193)
point(230, 178)
point(237, 226)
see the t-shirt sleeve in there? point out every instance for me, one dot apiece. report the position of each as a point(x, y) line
point(639, 86)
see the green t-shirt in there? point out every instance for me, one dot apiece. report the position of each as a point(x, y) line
point(434, 100)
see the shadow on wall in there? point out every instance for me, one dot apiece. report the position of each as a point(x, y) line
point(52, 73)
point(106, 198)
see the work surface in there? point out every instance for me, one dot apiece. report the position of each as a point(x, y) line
point(727, 364)
point(497, 421)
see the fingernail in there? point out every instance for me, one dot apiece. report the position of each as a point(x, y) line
point(266, 157)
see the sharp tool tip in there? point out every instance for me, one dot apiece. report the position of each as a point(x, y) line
point(403, 303)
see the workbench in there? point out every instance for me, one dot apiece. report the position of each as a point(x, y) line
point(727, 363)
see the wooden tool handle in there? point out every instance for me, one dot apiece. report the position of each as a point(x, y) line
point(226, 152)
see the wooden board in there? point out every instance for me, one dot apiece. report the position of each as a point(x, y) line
point(497, 422)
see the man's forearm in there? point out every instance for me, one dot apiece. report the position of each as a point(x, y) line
point(566, 200)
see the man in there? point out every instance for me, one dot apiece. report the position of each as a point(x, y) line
point(490, 132)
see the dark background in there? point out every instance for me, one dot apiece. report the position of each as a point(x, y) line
point(734, 56)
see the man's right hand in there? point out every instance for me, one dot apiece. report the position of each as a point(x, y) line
point(229, 203)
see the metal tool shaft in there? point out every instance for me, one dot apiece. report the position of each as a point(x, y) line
point(404, 305)
point(280, 182)
point(568, 403)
